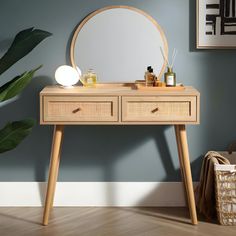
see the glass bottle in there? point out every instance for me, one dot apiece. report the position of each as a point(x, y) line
point(170, 78)
point(149, 77)
point(89, 79)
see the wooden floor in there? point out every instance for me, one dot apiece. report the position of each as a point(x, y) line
point(106, 222)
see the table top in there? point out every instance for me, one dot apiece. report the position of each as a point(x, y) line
point(117, 89)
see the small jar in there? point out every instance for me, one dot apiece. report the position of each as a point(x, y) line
point(150, 77)
point(170, 78)
point(89, 79)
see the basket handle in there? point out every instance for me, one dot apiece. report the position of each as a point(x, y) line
point(232, 147)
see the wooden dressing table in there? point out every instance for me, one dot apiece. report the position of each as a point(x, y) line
point(119, 104)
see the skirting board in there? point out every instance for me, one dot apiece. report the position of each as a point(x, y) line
point(120, 194)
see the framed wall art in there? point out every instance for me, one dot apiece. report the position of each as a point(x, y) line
point(216, 24)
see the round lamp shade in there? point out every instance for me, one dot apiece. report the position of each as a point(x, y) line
point(67, 76)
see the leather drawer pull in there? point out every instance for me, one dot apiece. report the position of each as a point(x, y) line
point(76, 110)
point(155, 110)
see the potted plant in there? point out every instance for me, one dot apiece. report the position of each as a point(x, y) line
point(24, 42)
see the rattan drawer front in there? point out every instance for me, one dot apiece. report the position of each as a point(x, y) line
point(80, 109)
point(159, 109)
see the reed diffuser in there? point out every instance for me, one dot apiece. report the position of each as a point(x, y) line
point(170, 76)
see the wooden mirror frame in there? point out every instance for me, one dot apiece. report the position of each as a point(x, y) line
point(86, 19)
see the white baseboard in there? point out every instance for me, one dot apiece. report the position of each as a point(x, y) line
point(127, 194)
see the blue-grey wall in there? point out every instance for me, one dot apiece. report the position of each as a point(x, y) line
point(106, 153)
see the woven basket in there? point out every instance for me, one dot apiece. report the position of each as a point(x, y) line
point(225, 187)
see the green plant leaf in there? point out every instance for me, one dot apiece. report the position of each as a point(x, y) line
point(24, 42)
point(13, 133)
point(16, 85)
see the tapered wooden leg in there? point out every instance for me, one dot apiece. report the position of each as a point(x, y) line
point(184, 162)
point(53, 170)
point(58, 163)
point(56, 175)
point(180, 154)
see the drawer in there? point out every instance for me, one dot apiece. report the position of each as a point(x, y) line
point(79, 109)
point(159, 109)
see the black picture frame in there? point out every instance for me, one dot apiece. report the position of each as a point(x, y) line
point(216, 24)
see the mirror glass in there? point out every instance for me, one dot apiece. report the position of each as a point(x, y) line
point(118, 43)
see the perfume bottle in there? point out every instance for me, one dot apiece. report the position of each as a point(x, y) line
point(170, 77)
point(149, 77)
point(89, 79)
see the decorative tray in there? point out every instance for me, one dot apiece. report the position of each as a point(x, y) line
point(141, 86)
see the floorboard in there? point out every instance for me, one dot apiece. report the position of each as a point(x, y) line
point(93, 221)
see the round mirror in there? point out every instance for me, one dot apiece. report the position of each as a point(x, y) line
point(118, 43)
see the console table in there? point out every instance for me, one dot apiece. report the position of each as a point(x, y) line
point(119, 104)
